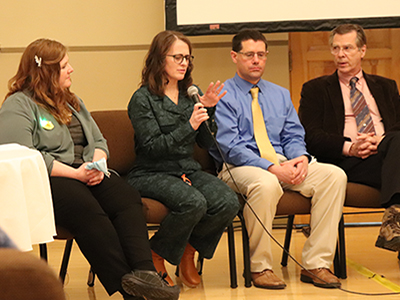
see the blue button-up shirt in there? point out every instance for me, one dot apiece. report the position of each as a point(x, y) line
point(235, 124)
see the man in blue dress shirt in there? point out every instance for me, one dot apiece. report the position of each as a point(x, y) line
point(263, 180)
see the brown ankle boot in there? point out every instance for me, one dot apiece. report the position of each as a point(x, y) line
point(187, 270)
point(158, 262)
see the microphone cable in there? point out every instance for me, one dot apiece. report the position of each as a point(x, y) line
point(273, 238)
point(191, 94)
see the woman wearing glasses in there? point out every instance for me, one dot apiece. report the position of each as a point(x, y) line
point(167, 125)
point(103, 212)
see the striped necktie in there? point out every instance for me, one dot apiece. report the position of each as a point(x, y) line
point(260, 131)
point(360, 109)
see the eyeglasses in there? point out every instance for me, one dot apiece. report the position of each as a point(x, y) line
point(178, 58)
point(348, 49)
point(250, 55)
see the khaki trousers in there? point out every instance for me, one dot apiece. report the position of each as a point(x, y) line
point(325, 184)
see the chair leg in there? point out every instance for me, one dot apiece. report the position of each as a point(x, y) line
point(91, 277)
point(232, 256)
point(200, 264)
point(177, 271)
point(65, 260)
point(43, 251)
point(288, 237)
point(246, 252)
point(342, 249)
point(339, 262)
point(336, 262)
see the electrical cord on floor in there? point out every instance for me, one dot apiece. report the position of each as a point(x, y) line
point(270, 234)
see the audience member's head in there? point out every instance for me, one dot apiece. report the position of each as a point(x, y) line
point(5, 241)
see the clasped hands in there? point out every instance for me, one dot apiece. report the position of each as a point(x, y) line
point(209, 99)
point(366, 144)
point(292, 171)
point(90, 177)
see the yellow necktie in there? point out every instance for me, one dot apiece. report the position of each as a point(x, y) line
point(260, 131)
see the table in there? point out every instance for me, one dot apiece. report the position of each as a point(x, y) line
point(26, 207)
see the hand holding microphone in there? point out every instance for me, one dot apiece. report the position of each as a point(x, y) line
point(199, 114)
point(209, 99)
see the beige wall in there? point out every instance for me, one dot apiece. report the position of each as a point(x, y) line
point(108, 41)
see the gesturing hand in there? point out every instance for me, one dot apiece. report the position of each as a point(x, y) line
point(213, 94)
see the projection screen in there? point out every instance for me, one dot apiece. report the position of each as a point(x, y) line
point(207, 17)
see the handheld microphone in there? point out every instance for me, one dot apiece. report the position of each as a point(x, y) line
point(193, 93)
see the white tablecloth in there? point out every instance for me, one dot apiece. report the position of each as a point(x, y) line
point(26, 207)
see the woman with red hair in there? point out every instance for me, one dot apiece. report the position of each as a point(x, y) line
point(103, 213)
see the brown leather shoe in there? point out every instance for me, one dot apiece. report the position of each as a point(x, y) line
point(321, 277)
point(158, 262)
point(267, 280)
point(187, 270)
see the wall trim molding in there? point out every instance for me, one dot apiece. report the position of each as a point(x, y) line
point(141, 47)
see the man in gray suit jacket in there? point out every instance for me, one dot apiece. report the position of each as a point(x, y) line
point(334, 135)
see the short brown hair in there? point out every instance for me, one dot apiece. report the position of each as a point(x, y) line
point(247, 34)
point(361, 39)
point(153, 73)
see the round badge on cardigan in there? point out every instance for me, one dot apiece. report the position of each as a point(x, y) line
point(46, 124)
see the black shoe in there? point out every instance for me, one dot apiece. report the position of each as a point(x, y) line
point(392, 245)
point(306, 230)
point(149, 285)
